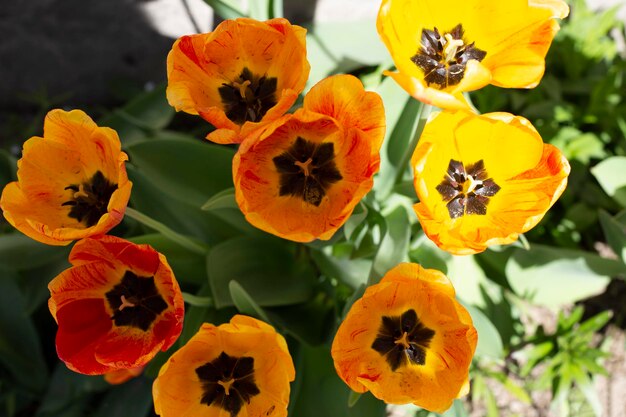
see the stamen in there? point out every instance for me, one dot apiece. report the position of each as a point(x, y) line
point(305, 166)
point(81, 193)
point(471, 184)
point(243, 87)
point(226, 385)
point(404, 341)
point(125, 303)
point(451, 47)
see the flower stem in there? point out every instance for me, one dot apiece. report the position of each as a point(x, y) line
point(176, 237)
point(422, 117)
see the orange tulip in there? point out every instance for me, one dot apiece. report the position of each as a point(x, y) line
point(241, 368)
point(242, 75)
point(407, 340)
point(301, 177)
point(119, 376)
point(72, 183)
point(483, 180)
point(116, 307)
point(444, 49)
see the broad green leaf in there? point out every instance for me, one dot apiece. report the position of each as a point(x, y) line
point(227, 9)
point(223, 199)
point(489, 341)
point(322, 393)
point(8, 168)
point(394, 246)
point(141, 117)
point(457, 410)
point(178, 215)
point(20, 252)
point(357, 219)
point(276, 8)
point(428, 255)
point(333, 51)
point(133, 398)
point(265, 267)
point(401, 115)
point(188, 171)
point(311, 323)
point(553, 277)
point(611, 174)
point(615, 233)
point(244, 302)
point(69, 393)
point(33, 283)
point(20, 349)
point(188, 267)
point(352, 272)
point(259, 9)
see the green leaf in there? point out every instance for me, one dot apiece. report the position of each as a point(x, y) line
point(188, 171)
point(188, 266)
point(332, 51)
point(489, 341)
point(20, 348)
point(141, 117)
point(394, 246)
point(276, 8)
point(615, 233)
point(223, 199)
point(595, 323)
point(352, 272)
point(535, 355)
point(586, 386)
point(457, 410)
point(312, 322)
point(264, 267)
point(180, 216)
point(356, 220)
point(69, 393)
point(244, 302)
point(611, 174)
point(20, 252)
point(133, 398)
point(259, 9)
point(227, 9)
point(401, 113)
point(554, 277)
point(322, 393)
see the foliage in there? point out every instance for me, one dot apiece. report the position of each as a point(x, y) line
point(304, 290)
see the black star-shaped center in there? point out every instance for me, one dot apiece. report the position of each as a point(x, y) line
point(228, 382)
point(135, 301)
point(467, 190)
point(443, 57)
point(89, 200)
point(248, 97)
point(307, 170)
point(403, 339)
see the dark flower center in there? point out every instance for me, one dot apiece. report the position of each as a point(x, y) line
point(228, 382)
point(467, 190)
point(443, 57)
point(135, 301)
point(307, 170)
point(403, 339)
point(90, 199)
point(248, 97)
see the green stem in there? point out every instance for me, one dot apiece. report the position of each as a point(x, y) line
point(176, 237)
point(422, 118)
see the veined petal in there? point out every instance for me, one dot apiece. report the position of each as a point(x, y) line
point(468, 177)
point(407, 340)
point(72, 183)
point(245, 355)
point(463, 46)
point(245, 72)
point(116, 307)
